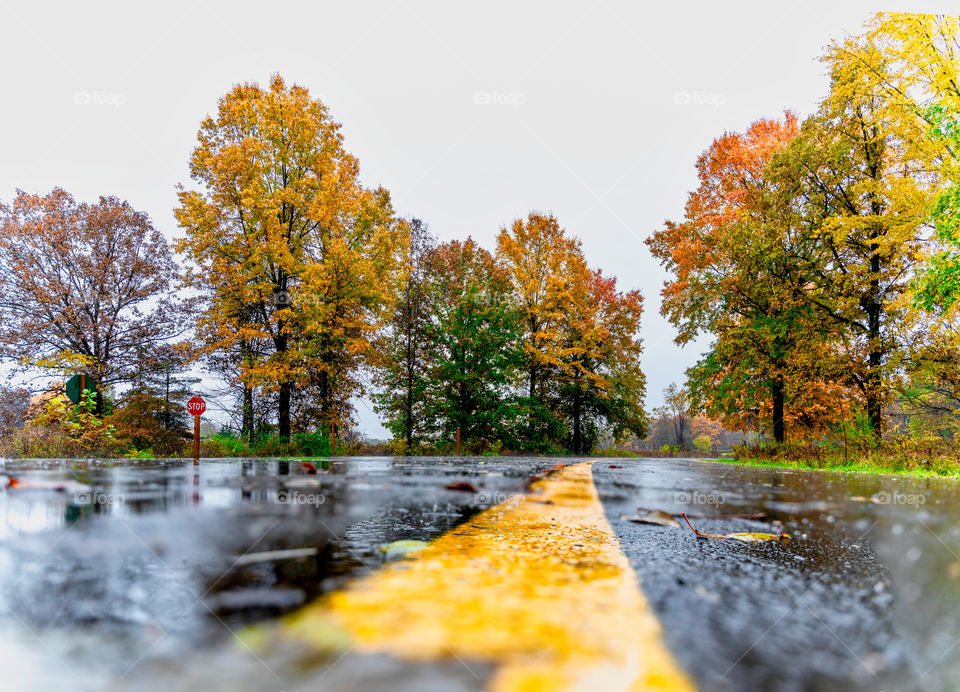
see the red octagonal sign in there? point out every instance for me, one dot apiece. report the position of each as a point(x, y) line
point(196, 406)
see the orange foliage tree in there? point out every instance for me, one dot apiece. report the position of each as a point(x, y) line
point(739, 274)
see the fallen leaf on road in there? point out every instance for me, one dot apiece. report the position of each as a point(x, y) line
point(614, 466)
point(399, 549)
point(742, 537)
point(303, 483)
point(60, 486)
point(654, 517)
point(273, 555)
point(540, 475)
point(463, 485)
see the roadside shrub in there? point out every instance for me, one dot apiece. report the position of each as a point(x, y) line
point(222, 444)
point(137, 420)
point(58, 428)
point(315, 444)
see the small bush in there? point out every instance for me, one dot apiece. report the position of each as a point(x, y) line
point(315, 444)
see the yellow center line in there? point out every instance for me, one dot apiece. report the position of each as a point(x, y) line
point(539, 586)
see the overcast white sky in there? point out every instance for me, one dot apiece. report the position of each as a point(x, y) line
point(470, 114)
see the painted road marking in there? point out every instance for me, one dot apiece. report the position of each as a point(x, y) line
point(538, 585)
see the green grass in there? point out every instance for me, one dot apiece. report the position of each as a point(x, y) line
point(858, 463)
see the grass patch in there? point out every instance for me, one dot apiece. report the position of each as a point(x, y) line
point(907, 456)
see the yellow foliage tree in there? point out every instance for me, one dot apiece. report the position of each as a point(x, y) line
point(299, 261)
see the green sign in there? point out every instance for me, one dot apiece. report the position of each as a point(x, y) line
point(76, 385)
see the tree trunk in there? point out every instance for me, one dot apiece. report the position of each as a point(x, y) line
point(283, 415)
point(874, 374)
point(281, 343)
point(408, 412)
point(577, 433)
point(247, 430)
point(283, 405)
point(777, 394)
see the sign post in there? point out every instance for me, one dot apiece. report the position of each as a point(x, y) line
point(195, 407)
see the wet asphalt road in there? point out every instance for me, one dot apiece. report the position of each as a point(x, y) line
point(865, 595)
point(146, 574)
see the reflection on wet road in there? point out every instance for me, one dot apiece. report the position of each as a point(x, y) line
point(146, 561)
point(141, 571)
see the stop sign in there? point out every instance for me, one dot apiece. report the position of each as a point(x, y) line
point(196, 406)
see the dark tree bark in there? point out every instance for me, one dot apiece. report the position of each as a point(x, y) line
point(777, 394)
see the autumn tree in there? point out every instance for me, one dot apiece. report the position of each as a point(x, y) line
point(548, 272)
point(600, 383)
point(739, 273)
point(299, 258)
point(163, 384)
point(676, 409)
point(862, 196)
point(937, 288)
point(84, 286)
point(900, 81)
point(403, 378)
point(546, 268)
point(581, 346)
point(473, 342)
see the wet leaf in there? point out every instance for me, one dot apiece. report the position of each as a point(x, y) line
point(742, 537)
point(656, 516)
point(463, 485)
point(399, 549)
point(303, 483)
point(540, 475)
point(751, 537)
point(273, 555)
point(60, 486)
